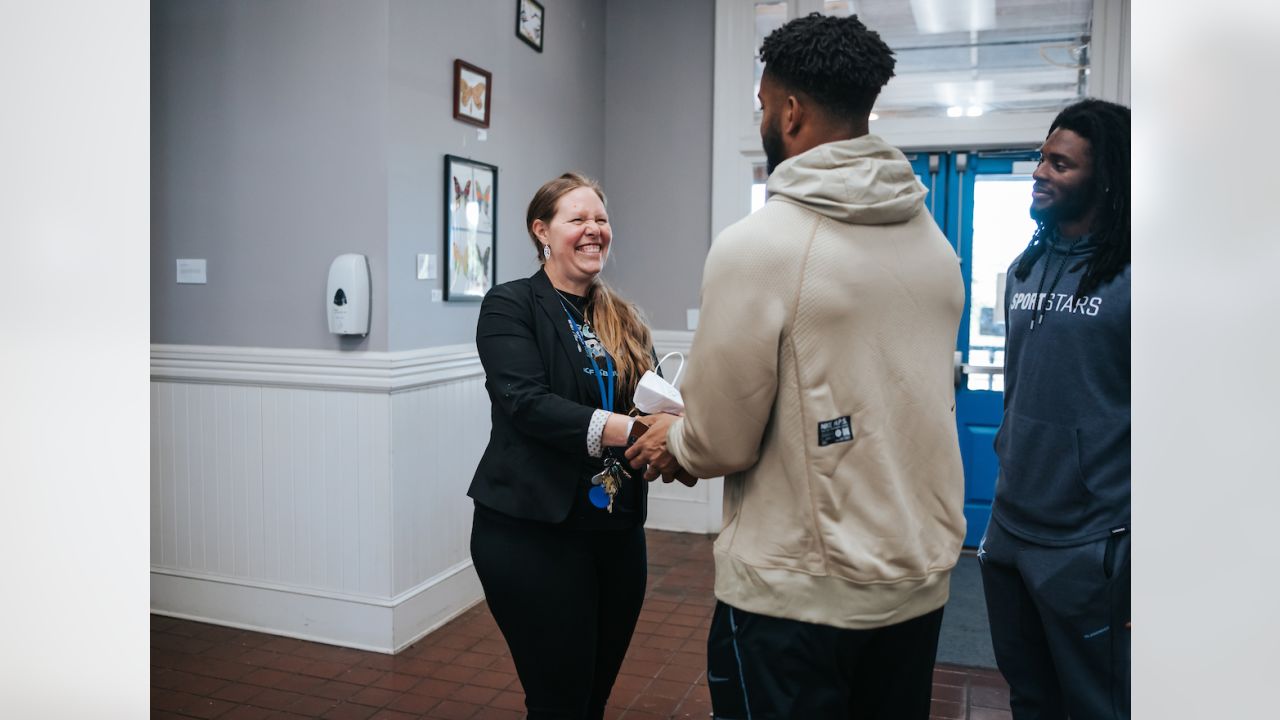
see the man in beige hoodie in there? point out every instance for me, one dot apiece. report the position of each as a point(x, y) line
point(820, 385)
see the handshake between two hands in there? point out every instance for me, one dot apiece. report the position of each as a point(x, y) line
point(649, 449)
point(663, 401)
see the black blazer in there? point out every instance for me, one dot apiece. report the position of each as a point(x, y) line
point(537, 452)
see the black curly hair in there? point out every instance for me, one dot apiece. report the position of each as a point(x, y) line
point(838, 62)
point(1106, 126)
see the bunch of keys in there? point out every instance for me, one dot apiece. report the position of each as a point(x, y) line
point(606, 483)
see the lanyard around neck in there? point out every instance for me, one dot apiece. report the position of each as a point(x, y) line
point(606, 400)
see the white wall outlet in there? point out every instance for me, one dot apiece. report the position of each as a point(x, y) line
point(691, 318)
point(437, 295)
point(482, 135)
point(426, 266)
point(192, 271)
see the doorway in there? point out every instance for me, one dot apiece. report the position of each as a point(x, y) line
point(980, 200)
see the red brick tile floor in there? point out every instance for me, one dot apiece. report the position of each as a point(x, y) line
point(463, 671)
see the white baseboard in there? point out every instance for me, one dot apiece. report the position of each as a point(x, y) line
point(317, 618)
point(678, 516)
point(426, 610)
point(373, 624)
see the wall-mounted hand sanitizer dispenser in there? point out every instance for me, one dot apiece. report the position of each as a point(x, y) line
point(348, 297)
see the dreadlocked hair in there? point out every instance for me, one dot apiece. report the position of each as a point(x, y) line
point(837, 61)
point(618, 323)
point(1106, 126)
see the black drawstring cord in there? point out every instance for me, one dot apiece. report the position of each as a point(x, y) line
point(1037, 318)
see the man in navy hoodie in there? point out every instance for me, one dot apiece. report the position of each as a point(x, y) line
point(1055, 558)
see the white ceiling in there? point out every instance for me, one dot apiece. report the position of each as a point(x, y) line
point(988, 55)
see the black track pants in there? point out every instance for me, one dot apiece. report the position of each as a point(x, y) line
point(1058, 619)
point(767, 668)
point(566, 601)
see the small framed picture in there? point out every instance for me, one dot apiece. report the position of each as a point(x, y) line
point(529, 22)
point(472, 90)
point(470, 230)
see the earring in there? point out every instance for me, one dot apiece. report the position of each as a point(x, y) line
point(546, 251)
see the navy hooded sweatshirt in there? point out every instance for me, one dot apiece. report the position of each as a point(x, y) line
point(1064, 442)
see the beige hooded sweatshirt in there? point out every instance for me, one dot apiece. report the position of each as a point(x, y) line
point(839, 299)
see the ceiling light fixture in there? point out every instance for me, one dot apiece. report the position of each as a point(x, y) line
point(945, 16)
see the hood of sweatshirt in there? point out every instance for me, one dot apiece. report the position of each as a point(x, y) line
point(1072, 247)
point(864, 181)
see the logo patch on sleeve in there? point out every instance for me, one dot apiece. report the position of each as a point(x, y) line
point(834, 431)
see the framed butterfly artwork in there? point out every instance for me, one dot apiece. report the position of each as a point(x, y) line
point(472, 90)
point(529, 15)
point(470, 228)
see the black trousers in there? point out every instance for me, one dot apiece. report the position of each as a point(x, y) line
point(767, 668)
point(566, 600)
point(1058, 618)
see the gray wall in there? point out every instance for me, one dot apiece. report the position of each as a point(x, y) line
point(268, 159)
point(659, 70)
point(287, 132)
point(547, 117)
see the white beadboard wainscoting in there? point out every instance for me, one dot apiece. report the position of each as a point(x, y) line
point(322, 494)
point(673, 506)
point(315, 494)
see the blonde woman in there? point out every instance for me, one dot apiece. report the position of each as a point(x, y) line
point(558, 537)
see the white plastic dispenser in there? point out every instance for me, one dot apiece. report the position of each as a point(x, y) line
point(348, 296)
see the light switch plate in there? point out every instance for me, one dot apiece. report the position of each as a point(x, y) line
point(426, 266)
point(437, 295)
point(192, 271)
point(691, 318)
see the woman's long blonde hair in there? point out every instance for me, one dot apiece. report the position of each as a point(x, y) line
point(617, 323)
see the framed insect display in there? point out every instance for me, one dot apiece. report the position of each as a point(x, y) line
point(472, 90)
point(529, 15)
point(470, 228)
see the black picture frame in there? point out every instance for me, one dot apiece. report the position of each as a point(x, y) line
point(470, 258)
point(531, 21)
point(472, 93)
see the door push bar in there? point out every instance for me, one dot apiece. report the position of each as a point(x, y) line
point(963, 368)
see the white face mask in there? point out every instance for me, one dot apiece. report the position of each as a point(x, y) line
point(656, 395)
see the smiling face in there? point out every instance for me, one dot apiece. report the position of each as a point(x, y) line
point(579, 236)
point(1064, 193)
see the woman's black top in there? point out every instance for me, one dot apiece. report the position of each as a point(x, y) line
point(543, 391)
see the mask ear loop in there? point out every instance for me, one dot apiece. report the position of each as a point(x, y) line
point(676, 379)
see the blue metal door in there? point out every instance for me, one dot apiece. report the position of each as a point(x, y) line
point(933, 170)
point(981, 202)
point(991, 225)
